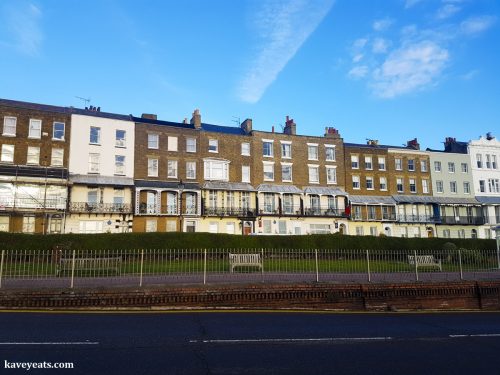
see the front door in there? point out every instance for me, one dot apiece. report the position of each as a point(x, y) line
point(247, 228)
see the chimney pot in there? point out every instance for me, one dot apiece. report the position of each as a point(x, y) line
point(196, 119)
point(150, 116)
point(246, 126)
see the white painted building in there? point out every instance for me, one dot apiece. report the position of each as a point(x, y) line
point(485, 158)
point(101, 168)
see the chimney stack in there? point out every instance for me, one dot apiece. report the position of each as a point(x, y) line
point(331, 132)
point(149, 116)
point(246, 126)
point(290, 126)
point(196, 119)
point(413, 144)
point(185, 121)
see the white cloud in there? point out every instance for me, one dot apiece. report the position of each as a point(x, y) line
point(410, 68)
point(469, 75)
point(381, 25)
point(447, 10)
point(358, 72)
point(23, 23)
point(380, 45)
point(282, 27)
point(411, 3)
point(357, 58)
point(476, 25)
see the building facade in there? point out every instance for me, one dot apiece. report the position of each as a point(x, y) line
point(34, 147)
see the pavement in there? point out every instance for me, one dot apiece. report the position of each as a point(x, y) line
point(252, 342)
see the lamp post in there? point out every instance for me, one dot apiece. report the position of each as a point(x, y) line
point(181, 190)
point(497, 233)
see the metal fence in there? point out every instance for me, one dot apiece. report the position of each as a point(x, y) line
point(78, 268)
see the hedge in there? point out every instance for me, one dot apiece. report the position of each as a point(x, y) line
point(11, 241)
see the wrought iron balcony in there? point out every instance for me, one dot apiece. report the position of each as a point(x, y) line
point(229, 211)
point(171, 209)
point(99, 208)
point(10, 204)
point(462, 220)
point(417, 219)
point(324, 211)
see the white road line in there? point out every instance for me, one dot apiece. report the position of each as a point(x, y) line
point(477, 335)
point(322, 339)
point(51, 343)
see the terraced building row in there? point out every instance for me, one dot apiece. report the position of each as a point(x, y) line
point(70, 170)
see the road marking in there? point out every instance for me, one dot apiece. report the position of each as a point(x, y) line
point(476, 335)
point(51, 343)
point(321, 339)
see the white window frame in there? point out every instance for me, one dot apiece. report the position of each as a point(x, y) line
point(425, 186)
point(398, 164)
point(271, 149)
point(121, 142)
point(94, 163)
point(313, 167)
point(213, 145)
point(153, 141)
point(399, 179)
point(98, 142)
point(286, 165)
point(354, 161)
point(268, 165)
point(369, 178)
point(328, 179)
point(120, 165)
point(7, 153)
point(191, 145)
point(439, 187)
point(245, 148)
point(284, 146)
point(464, 167)
point(222, 165)
point(172, 143)
point(466, 187)
point(381, 163)
point(153, 167)
point(368, 163)
point(54, 138)
point(9, 127)
point(356, 182)
point(172, 168)
point(334, 150)
point(32, 129)
point(412, 182)
point(479, 161)
point(33, 153)
point(383, 183)
point(245, 173)
point(190, 170)
point(437, 166)
point(57, 157)
point(312, 146)
point(423, 166)
point(451, 167)
point(453, 187)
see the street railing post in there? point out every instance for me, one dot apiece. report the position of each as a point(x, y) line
point(460, 264)
point(1, 267)
point(368, 266)
point(73, 269)
point(317, 267)
point(262, 260)
point(205, 267)
point(416, 264)
point(142, 267)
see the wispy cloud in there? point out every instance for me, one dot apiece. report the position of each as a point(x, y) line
point(23, 24)
point(381, 25)
point(409, 68)
point(469, 75)
point(282, 27)
point(447, 10)
point(358, 72)
point(411, 3)
point(380, 45)
point(476, 25)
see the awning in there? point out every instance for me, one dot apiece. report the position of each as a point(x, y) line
point(221, 185)
point(268, 188)
point(413, 199)
point(319, 190)
point(456, 201)
point(101, 180)
point(488, 200)
point(372, 200)
point(166, 185)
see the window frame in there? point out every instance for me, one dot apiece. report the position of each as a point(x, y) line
point(4, 133)
point(98, 143)
point(30, 129)
point(189, 147)
point(121, 142)
point(4, 153)
point(54, 158)
point(62, 139)
point(37, 154)
point(151, 141)
point(151, 162)
point(213, 145)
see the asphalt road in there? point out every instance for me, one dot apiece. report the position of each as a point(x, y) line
point(252, 343)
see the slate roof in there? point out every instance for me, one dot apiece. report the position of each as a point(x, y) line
point(163, 123)
point(165, 185)
point(269, 188)
point(101, 180)
point(221, 185)
point(324, 190)
point(35, 106)
point(489, 200)
point(364, 145)
point(372, 200)
point(222, 129)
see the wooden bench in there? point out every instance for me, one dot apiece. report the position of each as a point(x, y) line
point(425, 261)
point(244, 260)
point(90, 264)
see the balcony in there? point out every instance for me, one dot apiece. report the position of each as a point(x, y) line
point(463, 220)
point(100, 208)
point(324, 211)
point(376, 217)
point(229, 211)
point(422, 219)
point(28, 204)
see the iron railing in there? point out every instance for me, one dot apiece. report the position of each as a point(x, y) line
point(12, 204)
point(98, 208)
point(229, 211)
point(462, 220)
point(68, 268)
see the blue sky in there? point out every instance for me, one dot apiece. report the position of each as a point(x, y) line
point(389, 70)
